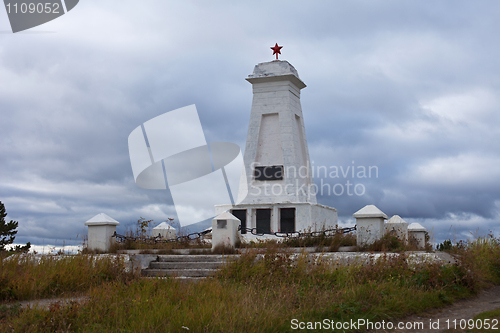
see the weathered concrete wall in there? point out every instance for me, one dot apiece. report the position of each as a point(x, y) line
point(99, 237)
point(323, 216)
point(225, 230)
point(369, 230)
point(398, 227)
point(416, 235)
point(307, 216)
point(100, 229)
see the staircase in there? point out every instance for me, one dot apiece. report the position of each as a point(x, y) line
point(186, 266)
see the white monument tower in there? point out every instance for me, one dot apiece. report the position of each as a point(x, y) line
point(278, 174)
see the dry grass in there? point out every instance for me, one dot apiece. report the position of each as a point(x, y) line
point(488, 321)
point(29, 276)
point(252, 295)
point(482, 257)
point(148, 244)
point(332, 243)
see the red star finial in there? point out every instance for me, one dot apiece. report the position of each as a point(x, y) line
point(276, 50)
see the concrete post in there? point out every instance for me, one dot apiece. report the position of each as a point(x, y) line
point(225, 230)
point(369, 225)
point(101, 228)
point(398, 227)
point(416, 235)
point(164, 230)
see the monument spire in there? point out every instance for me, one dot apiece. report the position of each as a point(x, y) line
point(277, 192)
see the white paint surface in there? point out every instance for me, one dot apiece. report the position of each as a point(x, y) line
point(228, 234)
point(416, 234)
point(276, 136)
point(308, 217)
point(164, 230)
point(369, 224)
point(100, 229)
point(398, 227)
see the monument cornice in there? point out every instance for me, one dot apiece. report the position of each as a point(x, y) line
point(276, 78)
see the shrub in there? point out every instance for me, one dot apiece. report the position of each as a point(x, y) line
point(447, 245)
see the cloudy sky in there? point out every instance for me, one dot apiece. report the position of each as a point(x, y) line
point(409, 87)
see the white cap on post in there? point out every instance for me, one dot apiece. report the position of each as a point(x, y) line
point(101, 228)
point(369, 225)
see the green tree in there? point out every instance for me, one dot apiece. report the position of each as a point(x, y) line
point(8, 232)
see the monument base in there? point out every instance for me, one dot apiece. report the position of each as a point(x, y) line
point(282, 217)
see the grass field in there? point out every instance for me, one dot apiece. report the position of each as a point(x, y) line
point(246, 296)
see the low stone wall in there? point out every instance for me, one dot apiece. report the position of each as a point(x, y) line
point(141, 261)
point(136, 261)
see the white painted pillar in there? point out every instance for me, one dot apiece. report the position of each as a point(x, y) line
point(369, 225)
point(225, 230)
point(275, 219)
point(249, 218)
point(416, 235)
point(398, 227)
point(164, 230)
point(100, 229)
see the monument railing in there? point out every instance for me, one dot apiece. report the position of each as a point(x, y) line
point(160, 239)
point(253, 231)
point(297, 234)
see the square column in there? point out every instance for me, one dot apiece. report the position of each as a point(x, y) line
point(225, 230)
point(398, 227)
point(416, 235)
point(369, 225)
point(101, 228)
point(164, 230)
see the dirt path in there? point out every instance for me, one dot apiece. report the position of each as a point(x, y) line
point(487, 300)
point(45, 303)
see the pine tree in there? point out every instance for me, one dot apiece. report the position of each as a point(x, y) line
point(8, 232)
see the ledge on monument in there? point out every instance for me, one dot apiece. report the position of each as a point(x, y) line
point(276, 70)
point(273, 68)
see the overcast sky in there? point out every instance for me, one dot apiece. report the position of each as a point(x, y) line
point(411, 87)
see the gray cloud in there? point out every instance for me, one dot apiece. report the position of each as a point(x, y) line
point(408, 87)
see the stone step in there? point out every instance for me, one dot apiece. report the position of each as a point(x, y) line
point(195, 258)
point(185, 265)
point(180, 278)
point(178, 272)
